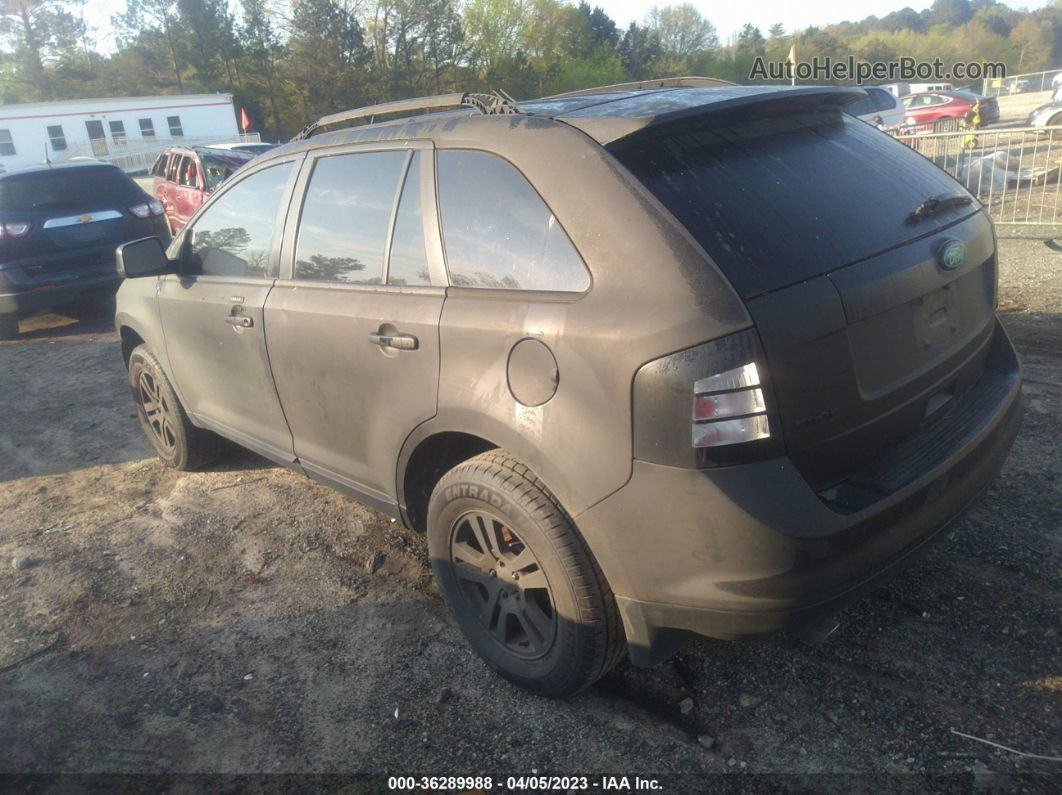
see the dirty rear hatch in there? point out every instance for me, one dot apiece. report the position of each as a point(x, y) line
point(812, 217)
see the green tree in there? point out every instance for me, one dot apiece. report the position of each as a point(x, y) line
point(327, 58)
point(151, 23)
point(682, 31)
point(639, 50)
point(1033, 40)
point(35, 30)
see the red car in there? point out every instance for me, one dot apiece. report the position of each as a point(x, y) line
point(185, 177)
point(932, 106)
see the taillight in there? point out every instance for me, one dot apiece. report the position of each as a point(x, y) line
point(147, 209)
point(15, 229)
point(728, 408)
point(710, 405)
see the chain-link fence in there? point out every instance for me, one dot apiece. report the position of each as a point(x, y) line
point(1019, 84)
point(1015, 173)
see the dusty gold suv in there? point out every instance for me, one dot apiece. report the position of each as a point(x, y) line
point(643, 361)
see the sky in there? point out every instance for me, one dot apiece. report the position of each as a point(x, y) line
point(728, 17)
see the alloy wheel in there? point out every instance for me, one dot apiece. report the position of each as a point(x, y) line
point(504, 583)
point(157, 411)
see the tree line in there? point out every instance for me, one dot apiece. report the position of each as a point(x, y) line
point(291, 61)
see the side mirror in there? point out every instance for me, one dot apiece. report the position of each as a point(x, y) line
point(144, 257)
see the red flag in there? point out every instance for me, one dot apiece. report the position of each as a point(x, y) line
point(245, 120)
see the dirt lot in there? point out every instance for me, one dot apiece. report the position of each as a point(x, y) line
point(244, 619)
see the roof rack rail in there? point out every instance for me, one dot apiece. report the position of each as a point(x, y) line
point(498, 103)
point(661, 82)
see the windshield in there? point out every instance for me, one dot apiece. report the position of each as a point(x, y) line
point(64, 188)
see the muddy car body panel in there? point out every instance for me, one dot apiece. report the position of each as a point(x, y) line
point(745, 431)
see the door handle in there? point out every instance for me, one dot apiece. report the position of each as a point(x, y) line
point(241, 321)
point(402, 342)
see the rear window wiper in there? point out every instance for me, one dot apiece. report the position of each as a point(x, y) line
point(934, 205)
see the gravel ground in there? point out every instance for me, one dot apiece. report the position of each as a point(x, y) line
point(245, 620)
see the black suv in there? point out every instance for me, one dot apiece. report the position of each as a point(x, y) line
point(644, 361)
point(59, 225)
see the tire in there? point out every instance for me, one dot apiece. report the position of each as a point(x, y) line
point(1055, 120)
point(8, 327)
point(177, 442)
point(534, 604)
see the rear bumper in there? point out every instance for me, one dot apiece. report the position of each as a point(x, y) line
point(43, 282)
point(56, 294)
point(751, 549)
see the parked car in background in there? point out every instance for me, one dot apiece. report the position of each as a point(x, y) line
point(251, 147)
point(185, 177)
point(880, 108)
point(59, 227)
point(1049, 115)
point(897, 89)
point(920, 88)
point(935, 106)
point(632, 378)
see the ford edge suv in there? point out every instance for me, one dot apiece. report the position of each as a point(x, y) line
point(642, 362)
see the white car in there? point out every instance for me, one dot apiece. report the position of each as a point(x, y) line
point(880, 108)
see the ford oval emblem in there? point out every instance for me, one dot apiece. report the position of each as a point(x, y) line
point(952, 254)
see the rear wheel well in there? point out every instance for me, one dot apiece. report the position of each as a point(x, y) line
point(433, 458)
point(130, 339)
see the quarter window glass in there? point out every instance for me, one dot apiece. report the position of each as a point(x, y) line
point(498, 231)
point(233, 236)
point(409, 264)
point(171, 167)
point(345, 217)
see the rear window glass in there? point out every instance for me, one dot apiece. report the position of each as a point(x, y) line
point(63, 187)
point(775, 202)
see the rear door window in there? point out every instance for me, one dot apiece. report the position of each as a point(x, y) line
point(345, 217)
point(497, 230)
point(775, 202)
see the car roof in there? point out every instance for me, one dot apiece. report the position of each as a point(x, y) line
point(606, 114)
point(61, 166)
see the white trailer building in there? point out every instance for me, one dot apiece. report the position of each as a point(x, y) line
point(129, 131)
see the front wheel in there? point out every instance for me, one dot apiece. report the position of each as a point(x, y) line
point(178, 443)
point(519, 579)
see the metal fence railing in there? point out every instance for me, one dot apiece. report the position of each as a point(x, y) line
point(1019, 84)
point(1016, 173)
point(137, 155)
